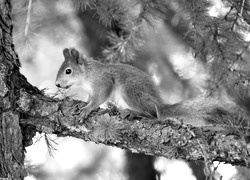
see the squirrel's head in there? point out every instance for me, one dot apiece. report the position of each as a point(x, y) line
point(72, 70)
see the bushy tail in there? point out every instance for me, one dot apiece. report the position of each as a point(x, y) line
point(201, 111)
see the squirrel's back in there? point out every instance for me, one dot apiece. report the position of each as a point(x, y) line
point(133, 89)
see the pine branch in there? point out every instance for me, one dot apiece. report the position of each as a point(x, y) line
point(50, 144)
point(217, 38)
point(160, 138)
point(220, 43)
point(242, 7)
point(123, 36)
point(127, 20)
point(28, 19)
point(126, 39)
point(26, 25)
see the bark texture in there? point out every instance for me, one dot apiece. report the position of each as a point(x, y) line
point(11, 145)
point(160, 138)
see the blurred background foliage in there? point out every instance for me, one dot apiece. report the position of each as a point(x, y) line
point(189, 47)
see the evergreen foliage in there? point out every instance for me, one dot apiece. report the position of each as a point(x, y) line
point(218, 41)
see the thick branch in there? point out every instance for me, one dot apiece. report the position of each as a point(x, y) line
point(161, 138)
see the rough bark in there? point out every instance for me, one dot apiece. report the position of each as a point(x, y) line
point(160, 138)
point(11, 145)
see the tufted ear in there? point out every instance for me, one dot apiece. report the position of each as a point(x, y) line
point(74, 53)
point(75, 56)
point(66, 53)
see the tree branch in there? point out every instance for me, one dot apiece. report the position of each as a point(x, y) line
point(168, 138)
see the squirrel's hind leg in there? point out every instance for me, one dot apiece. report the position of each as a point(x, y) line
point(141, 101)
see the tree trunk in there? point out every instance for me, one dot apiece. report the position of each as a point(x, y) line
point(11, 140)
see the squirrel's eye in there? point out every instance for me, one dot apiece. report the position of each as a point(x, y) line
point(68, 71)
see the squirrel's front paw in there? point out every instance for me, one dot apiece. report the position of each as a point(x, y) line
point(85, 111)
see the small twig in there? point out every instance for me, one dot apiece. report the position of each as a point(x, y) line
point(242, 7)
point(28, 19)
point(50, 144)
point(225, 126)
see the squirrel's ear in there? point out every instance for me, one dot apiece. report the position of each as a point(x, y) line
point(66, 53)
point(74, 53)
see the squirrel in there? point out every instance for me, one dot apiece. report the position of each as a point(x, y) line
point(130, 88)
